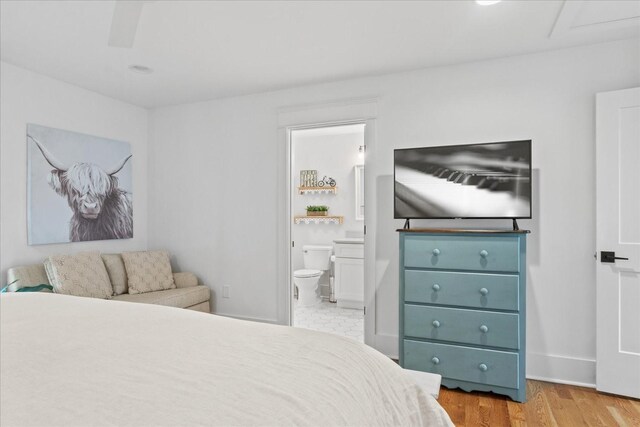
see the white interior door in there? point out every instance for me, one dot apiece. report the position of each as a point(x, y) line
point(618, 231)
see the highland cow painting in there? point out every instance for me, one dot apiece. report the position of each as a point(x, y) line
point(79, 187)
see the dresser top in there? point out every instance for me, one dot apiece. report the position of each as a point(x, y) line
point(460, 230)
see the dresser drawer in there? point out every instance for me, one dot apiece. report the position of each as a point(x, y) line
point(477, 253)
point(463, 326)
point(492, 367)
point(482, 290)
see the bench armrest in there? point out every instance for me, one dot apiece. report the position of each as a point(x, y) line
point(28, 275)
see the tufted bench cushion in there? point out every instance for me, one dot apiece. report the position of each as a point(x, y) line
point(180, 297)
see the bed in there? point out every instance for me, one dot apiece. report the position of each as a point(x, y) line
point(71, 361)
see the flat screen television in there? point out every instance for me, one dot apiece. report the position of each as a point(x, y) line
point(489, 180)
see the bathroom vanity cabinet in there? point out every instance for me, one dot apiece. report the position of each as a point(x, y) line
point(349, 272)
point(462, 307)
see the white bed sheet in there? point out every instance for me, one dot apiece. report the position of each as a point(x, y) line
point(70, 361)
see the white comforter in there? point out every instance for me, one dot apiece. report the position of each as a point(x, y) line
point(69, 361)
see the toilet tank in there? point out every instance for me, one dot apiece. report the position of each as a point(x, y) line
point(317, 257)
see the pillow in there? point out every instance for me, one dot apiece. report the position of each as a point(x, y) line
point(148, 271)
point(117, 273)
point(82, 275)
point(185, 280)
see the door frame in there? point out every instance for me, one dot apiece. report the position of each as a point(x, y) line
point(308, 117)
point(290, 185)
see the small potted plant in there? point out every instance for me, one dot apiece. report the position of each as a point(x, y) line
point(317, 210)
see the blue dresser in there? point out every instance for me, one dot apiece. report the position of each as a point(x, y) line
point(462, 307)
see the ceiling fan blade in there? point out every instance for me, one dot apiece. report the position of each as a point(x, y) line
point(124, 24)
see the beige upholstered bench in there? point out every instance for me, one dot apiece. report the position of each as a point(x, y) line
point(187, 293)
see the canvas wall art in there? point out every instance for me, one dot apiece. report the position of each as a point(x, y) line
point(79, 187)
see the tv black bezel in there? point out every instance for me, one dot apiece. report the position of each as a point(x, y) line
point(466, 217)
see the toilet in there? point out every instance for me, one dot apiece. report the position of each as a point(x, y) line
point(317, 260)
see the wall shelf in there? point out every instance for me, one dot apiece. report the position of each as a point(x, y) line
point(317, 190)
point(303, 219)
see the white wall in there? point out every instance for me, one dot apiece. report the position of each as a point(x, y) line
point(27, 97)
point(202, 202)
point(334, 155)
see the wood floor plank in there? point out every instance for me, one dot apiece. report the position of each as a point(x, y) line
point(486, 403)
point(565, 410)
point(516, 413)
point(629, 408)
point(620, 410)
point(485, 414)
point(620, 421)
point(497, 414)
point(547, 405)
point(589, 411)
point(563, 391)
point(538, 411)
point(472, 416)
point(454, 403)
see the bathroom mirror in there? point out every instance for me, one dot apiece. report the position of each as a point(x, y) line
point(359, 169)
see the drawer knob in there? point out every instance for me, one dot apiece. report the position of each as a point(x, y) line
point(436, 287)
point(436, 251)
point(435, 324)
point(484, 329)
point(483, 367)
point(484, 253)
point(435, 360)
point(484, 291)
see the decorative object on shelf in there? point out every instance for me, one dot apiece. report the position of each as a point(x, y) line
point(318, 220)
point(317, 190)
point(92, 174)
point(308, 178)
point(327, 181)
point(317, 210)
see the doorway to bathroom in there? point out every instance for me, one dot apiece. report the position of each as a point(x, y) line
point(327, 229)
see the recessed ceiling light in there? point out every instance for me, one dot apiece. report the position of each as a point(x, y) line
point(140, 69)
point(487, 2)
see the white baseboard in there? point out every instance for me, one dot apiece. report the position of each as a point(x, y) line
point(251, 319)
point(561, 369)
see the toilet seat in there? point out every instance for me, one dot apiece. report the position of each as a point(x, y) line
point(306, 273)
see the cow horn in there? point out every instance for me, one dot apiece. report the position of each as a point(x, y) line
point(120, 165)
point(49, 157)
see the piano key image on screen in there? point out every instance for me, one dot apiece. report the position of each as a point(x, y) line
point(465, 181)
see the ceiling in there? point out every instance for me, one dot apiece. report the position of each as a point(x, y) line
point(201, 50)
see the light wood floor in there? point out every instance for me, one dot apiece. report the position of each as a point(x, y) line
point(547, 404)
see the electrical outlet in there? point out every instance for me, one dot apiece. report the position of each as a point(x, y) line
point(225, 291)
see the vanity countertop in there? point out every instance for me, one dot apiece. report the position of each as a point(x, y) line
point(350, 240)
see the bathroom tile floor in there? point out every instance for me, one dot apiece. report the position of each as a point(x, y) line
point(328, 317)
